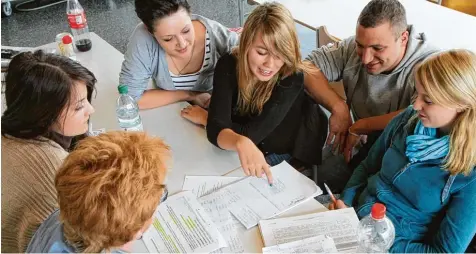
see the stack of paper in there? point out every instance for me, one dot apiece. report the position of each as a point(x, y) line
point(230, 228)
point(340, 225)
point(253, 199)
point(213, 212)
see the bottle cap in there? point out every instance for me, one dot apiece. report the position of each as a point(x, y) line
point(378, 211)
point(67, 39)
point(123, 89)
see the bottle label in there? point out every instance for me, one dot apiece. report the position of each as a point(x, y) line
point(77, 21)
point(135, 128)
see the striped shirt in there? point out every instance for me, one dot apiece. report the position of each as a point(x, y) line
point(187, 81)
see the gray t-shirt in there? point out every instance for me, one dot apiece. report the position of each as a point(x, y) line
point(145, 59)
point(372, 95)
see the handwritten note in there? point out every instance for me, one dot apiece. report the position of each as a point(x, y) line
point(204, 185)
point(253, 199)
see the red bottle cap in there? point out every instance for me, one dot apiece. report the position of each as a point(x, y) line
point(378, 211)
point(67, 39)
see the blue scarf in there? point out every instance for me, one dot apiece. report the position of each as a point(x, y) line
point(424, 144)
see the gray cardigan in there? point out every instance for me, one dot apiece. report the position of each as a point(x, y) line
point(145, 59)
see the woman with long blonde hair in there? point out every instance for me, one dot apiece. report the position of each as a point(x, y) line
point(423, 166)
point(258, 102)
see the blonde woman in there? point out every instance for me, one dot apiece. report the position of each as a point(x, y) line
point(258, 103)
point(423, 166)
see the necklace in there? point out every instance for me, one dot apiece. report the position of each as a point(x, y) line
point(190, 60)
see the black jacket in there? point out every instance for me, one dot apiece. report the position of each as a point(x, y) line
point(289, 123)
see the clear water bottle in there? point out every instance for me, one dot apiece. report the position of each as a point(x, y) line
point(375, 233)
point(79, 25)
point(127, 111)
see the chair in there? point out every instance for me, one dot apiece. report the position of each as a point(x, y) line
point(241, 9)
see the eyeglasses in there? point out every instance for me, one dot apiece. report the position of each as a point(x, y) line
point(165, 194)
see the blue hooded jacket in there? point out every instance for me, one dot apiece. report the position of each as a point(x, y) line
point(432, 210)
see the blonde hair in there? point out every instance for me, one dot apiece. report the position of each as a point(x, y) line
point(109, 187)
point(449, 79)
point(276, 25)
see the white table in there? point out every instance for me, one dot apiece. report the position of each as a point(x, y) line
point(444, 27)
point(192, 153)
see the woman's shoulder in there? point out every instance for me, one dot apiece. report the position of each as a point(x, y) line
point(295, 80)
point(228, 59)
point(142, 37)
point(42, 148)
point(217, 32)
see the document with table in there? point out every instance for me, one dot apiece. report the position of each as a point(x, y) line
point(340, 225)
point(316, 244)
point(230, 228)
point(181, 225)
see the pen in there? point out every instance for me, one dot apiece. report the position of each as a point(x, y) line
point(330, 193)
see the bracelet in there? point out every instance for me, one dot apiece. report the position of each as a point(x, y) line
point(352, 133)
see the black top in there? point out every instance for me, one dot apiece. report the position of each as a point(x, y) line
point(275, 129)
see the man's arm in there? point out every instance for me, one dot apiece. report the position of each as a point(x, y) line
point(318, 87)
point(368, 125)
point(330, 62)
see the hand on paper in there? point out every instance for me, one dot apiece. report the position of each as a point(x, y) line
point(252, 159)
point(195, 114)
point(338, 205)
point(339, 123)
point(201, 99)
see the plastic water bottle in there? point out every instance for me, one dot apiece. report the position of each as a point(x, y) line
point(375, 233)
point(127, 111)
point(79, 25)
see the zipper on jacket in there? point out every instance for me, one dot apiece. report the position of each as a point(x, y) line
point(401, 172)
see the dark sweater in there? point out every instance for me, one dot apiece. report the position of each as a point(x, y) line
point(275, 129)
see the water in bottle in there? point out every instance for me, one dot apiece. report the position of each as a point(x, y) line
point(375, 233)
point(127, 111)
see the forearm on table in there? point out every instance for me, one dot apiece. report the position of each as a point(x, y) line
point(368, 125)
point(156, 98)
point(318, 87)
point(227, 139)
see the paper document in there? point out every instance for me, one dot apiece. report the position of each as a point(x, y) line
point(316, 244)
point(204, 185)
point(253, 199)
point(181, 225)
point(230, 228)
point(340, 224)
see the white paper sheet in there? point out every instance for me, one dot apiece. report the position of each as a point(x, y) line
point(253, 199)
point(340, 224)
point(230, 228)
point(316, 244)
point(181, 225)
point(204, 185)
